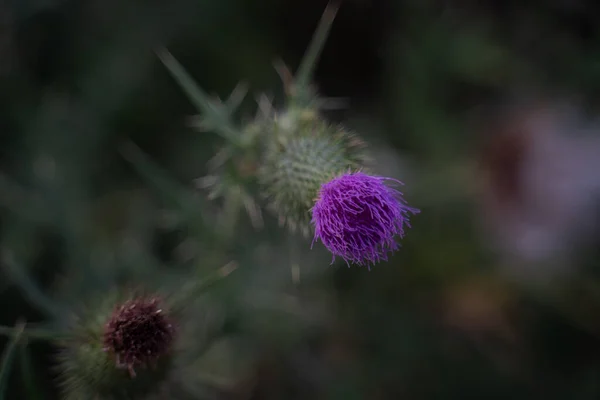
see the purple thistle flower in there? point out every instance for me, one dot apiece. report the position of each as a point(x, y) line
point(358, 217)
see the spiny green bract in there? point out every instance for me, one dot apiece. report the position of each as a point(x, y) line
point(302, 152)
point(88, 371)
point(232, 176)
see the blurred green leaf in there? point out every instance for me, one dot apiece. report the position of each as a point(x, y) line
point(214, 115)
point(28, 374)
point(176, 196)
point(20, 276)
point(7, 362)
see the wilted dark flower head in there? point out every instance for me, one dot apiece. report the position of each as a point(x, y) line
point(359, 218)
point(138, 333)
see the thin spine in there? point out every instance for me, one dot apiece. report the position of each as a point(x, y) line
point(313, 53)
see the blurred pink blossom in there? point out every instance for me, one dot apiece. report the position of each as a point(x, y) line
point(541, 186)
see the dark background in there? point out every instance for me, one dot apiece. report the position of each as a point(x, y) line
point(422, 81)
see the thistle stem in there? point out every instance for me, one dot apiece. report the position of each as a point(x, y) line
point(195, 289)
point(29, 333)
point(294, 259)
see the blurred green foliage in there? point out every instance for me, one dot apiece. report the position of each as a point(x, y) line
point(79, 79)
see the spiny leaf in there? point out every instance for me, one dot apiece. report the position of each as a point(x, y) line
point(215, 115)
point(236, 98)
point(311, 57)
point(174, 194)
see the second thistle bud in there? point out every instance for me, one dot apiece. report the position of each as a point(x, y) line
point(138, 333)
point(300, 156)
point(122, 348)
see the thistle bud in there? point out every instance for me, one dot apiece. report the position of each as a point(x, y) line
point(304, 153)
point(138, 334)
point(122, 349)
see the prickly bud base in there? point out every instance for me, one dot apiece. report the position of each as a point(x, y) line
point(301, 154)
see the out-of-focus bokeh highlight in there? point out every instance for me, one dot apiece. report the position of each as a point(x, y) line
point(486, 110)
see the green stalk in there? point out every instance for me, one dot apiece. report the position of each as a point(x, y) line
point(311, 57)
point(195, 289)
